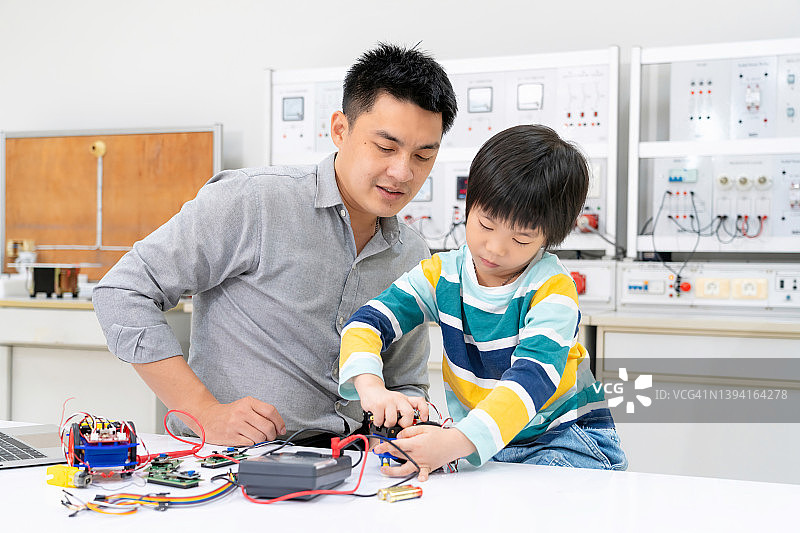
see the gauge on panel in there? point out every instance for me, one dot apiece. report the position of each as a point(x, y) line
point(479, 100)
point(293, 108)
point(529, 96)
point(425, 194)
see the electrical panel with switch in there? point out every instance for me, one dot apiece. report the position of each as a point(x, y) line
point(706, 286)
point(714, 149)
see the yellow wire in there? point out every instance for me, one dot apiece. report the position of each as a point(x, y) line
point(96, 508)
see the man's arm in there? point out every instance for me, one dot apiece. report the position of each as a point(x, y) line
point(243, 422)
point(213, 238)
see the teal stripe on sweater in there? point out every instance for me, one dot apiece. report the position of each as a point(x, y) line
point(485, 326)
point(404, 306)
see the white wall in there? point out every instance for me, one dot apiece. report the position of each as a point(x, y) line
point(156, 63)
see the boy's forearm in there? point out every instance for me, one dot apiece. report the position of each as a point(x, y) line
point(461, 446)
point(366, 382)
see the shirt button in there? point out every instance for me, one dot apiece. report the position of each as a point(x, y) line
point(341, 320)
point(343, 213)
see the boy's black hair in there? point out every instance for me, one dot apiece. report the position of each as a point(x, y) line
point(407, 74)
point(530, 178)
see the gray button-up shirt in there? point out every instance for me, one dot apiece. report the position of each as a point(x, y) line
point(271, 257)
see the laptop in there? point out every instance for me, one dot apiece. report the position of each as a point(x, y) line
point(30, 446)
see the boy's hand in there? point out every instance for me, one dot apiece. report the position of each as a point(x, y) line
point(385, 405)
point(430, 446)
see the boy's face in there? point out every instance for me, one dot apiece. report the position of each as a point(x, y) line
point(498, 250)
point(385, 155)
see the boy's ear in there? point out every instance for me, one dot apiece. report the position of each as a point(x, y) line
point(339, 128)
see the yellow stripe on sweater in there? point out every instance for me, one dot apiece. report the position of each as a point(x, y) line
point(558, 284)
point(359, 340)
point(432, 268)
point(507, 410)
point(569, 376)
point(469, 394)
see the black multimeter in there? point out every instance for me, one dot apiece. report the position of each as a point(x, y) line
point(274, 475)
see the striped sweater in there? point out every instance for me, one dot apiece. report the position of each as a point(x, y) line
point(512, 365)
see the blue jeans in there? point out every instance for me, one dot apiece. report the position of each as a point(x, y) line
point(589, 442)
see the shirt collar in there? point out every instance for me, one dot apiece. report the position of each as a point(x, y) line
point(328, 195)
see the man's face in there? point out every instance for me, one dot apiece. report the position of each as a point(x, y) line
point(385, 155)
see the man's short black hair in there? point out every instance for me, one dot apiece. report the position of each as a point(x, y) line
point(407, 74)
point(530, 178)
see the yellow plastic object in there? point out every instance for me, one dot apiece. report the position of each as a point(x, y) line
point(68, 476)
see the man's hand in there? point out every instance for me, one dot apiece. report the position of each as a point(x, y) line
point(385, 404)
point(430, 446)
point(244, 422)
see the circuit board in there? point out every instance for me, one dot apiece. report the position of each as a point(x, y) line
point(217, 462)
point(163, 470)
point(180, 480)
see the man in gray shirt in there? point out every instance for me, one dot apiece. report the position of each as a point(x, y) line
point(278, 258)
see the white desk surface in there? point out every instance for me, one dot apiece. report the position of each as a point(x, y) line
point(494, 497)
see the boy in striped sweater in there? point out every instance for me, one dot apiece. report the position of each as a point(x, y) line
point(518, 384)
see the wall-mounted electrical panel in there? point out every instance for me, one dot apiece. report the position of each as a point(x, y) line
point(572, 100)
point(595, 281)
point(709, 287)
point(301, 103)
point(575, 93)
point(437, 212)
point(724, 203)
point(715, 148)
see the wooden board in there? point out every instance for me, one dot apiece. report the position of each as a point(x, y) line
point(51, 190)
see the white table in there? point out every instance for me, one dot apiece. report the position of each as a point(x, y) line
point(494, 497)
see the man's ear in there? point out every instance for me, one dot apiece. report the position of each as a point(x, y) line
point(339, 128)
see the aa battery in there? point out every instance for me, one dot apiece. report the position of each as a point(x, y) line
point(403, 492)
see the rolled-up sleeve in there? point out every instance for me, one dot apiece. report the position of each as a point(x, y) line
point(215, 236)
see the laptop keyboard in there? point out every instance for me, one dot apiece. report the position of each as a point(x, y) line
point(11, 449)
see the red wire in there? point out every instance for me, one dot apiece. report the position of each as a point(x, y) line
point(63, 408)
point(181, 453)
point(291, 495)
point(760, 228)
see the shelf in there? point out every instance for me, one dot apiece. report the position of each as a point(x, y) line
point(771, 146)
point(600, 57)
point(685, 244)
point(710, 52)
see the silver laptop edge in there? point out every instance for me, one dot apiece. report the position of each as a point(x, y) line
point(43, 438)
